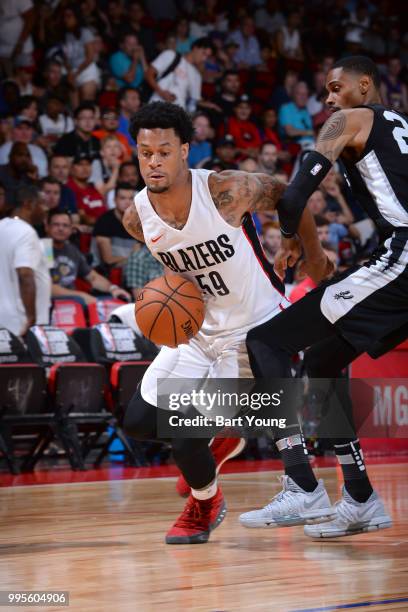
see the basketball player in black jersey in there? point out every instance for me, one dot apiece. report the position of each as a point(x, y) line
point(364, 310)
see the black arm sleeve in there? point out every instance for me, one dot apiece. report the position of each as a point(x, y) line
point(293, 202)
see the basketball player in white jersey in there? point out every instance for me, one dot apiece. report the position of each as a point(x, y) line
point(198, 224)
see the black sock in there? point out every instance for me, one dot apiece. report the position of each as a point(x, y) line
point(350, 457)
point(295, 458)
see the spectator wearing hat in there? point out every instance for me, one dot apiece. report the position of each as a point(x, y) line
point(25, 281)
point(244, 131)
point(24, 132)
point(81, 140)
point(200, 148)
point(19, 171)
point(109, 127)
point(128, 64)
point(89, 201)
point(226, 152)
point(70, 264)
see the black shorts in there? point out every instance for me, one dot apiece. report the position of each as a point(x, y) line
point(368, 303)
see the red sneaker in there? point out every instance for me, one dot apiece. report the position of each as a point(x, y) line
point(197, 520)
point(222, 450)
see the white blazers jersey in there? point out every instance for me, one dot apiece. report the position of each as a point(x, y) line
point(227, 263)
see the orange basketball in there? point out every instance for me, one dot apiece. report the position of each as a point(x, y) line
point(169, 310)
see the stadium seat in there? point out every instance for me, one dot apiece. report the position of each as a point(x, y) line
point(67, 314)
point(100, 312)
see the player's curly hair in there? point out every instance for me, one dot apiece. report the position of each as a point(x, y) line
point(163, 115)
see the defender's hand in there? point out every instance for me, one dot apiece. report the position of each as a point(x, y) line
point(318, 270)
point(289, 253)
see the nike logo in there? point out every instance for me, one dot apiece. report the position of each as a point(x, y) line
point(315, 499)
point(158, 238)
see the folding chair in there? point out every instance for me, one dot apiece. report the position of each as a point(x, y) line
point(67, 314)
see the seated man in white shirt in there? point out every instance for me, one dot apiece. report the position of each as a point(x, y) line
point(24, 276)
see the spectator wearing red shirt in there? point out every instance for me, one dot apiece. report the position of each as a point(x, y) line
point(90, 202)
point(245, 133)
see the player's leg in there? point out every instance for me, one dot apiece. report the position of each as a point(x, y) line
point(205, 507)
point(360, 508)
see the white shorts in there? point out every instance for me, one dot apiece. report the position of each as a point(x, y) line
point(218, 356)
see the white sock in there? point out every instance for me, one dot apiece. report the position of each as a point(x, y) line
point(207, 492)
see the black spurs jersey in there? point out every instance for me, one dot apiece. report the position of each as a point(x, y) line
point(379, 179)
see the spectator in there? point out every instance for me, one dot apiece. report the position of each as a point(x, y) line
point(335, 201)
point(200, 147)
point(393, 91)
point(316, 102)
point(113, 243)
point(128, 173)
point(129, 103)
point(51, 194)
point(79, 54)
point(5, 208)
point(24, 132)
point(89, 201)
point(129, 64)
point(60, 167)
point(227, 99)
point(80, 141)
point(322, 225)
point(283, 93)
point(183, 38)
point(243, 130)
point(271, 239)
point(294, 118)
point(16, 25)
point(248, 54)
point(268, 158)
point(138, 24)
point(70, 264)
point(105, 170)
point(109, 127)
point(25, 281)
point(23, 77)
point(288, 39)
point(183, 84)
point(317, 203)
point(248, 164)
point(54, 122)
point(28, 108)
point(18, 171)
point(55, 83)
point(116, 20)
point(140, 269)
point(226, 152)
point(269, 17)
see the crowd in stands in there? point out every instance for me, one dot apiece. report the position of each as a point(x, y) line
point(252, 74)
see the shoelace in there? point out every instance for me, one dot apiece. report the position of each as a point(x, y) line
point(193, 512)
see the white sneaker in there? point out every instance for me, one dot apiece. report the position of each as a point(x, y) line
point(292, 506)
point(352, 518)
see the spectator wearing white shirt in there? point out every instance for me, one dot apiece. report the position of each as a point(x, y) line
point(183, 84)
point(248, 54)
point(24, 275)
point(23, 132)
point(16, 24)
point(54, 122)
point(288, 38)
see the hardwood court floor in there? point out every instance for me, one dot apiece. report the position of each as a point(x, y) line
point(103, 541)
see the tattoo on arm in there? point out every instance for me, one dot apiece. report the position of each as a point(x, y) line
point(268, 193)
point(132, 223)
point(332, 137)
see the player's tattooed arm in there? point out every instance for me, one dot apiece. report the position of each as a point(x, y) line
point(132, 224)
point(342, 130)
point(235, 193)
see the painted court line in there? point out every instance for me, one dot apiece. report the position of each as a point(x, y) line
point(349, 606)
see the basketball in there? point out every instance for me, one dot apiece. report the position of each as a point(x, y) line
point(169, 310)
